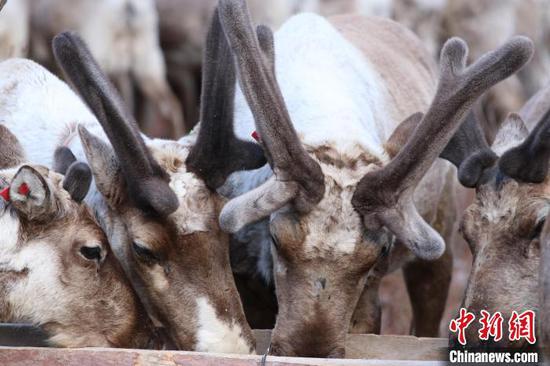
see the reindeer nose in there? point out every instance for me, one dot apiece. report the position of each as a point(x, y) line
point(321, 282)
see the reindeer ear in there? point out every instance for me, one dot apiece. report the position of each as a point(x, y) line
point(78, 180)
point(512, 132)
point(63, 158)
point(105, 167)
point(78, 176)
point(30, 193)
point(401, 134)
point(11, 152)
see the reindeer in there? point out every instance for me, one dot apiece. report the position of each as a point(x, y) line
point(544, 294)
point(503, 225)
point(484, 25)
point(123, 36)
point(14, 28)
point(335, 202)
point(159, 215)
point(183, 25)
point(57, 270)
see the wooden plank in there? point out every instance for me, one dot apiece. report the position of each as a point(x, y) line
point(25, 356)
point(358, 346)
point(371, 346)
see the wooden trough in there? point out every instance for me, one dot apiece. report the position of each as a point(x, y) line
point(22, 345)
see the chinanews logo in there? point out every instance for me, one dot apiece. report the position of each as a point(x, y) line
point(492, 332)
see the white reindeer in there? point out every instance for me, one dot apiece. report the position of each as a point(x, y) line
point(183, 27)
point(333, 198)
point(14, 28)
point(123, 36)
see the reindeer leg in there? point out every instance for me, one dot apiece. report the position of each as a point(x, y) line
point(159, 94)
point(428, 285)
point(185, 79)
point(150, 74)
point(428, 282)
point(125, 86)
point(367, 316)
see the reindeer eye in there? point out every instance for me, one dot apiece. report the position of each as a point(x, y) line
point(275, 241)
point(91, 253)
point(538, 229)
point(144, 253)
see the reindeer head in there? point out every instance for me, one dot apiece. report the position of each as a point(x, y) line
point(56, 268)
point(162, 205)
point(332, 223)
point(503, 224)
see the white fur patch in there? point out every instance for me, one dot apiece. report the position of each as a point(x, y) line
point(39, 295)
point(10, 233)
point(55, 108)
point(215, 335)
point(327, 83)
point(334, 211)
point(197, 210)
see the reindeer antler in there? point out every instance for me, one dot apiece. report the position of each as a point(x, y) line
point(298, 177)
point(469, 152)
point(217, 152)
point(146, 181)
point(386, 195)
point(528, 162)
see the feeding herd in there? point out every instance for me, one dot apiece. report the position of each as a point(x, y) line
point(111, 238)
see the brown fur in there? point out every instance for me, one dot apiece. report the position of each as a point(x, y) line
point(97, 306)
point(544, 292)
point(501, 230)
point(190, 261)
point(11, 152)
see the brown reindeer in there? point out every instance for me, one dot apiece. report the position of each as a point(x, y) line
point(336, 206)
point(162, 207)
point(159, 216)
point(503, 225)
point(56, 267)
point(544, 293)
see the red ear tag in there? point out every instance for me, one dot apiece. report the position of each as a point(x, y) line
point(24, 189)
point(256, 136)
point(5, 194)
